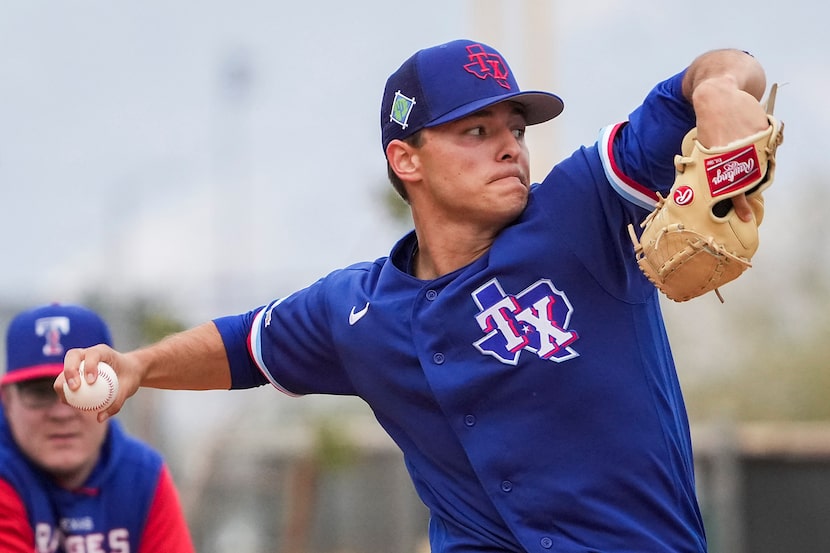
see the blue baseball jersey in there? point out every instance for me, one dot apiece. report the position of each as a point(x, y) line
point(107, 515)
point(532, 392)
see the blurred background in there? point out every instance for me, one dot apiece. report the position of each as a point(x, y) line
point(167, 162)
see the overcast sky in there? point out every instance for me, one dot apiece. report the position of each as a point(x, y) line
point(221, 153)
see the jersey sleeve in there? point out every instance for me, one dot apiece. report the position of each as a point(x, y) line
point(235, 331)
point(16, 534)
point(166, 528)
point(293, 361)
point(614, 183)
point(638, 154)
point(292, 340)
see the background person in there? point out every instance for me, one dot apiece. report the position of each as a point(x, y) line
point(69, 483)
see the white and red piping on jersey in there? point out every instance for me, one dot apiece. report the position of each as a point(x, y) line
point(255, 347)
point(625, 186)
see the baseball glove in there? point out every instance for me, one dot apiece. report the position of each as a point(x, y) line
point(693, 242)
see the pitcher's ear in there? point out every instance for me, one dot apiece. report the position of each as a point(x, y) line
point(403, 159)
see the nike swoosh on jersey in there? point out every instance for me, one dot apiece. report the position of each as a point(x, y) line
point(355, 316)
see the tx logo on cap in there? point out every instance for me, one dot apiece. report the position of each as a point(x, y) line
point(52, 328)
point(485, 65)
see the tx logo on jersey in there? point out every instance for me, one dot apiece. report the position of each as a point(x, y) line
point(535, 320)
point(52, 328)
point(485, 64)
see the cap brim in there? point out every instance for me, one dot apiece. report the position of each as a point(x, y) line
point(32, 373)
point(539, 107)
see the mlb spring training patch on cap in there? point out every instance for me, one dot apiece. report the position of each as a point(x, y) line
point(37, 339)
point(401, 108)
point(450, 81)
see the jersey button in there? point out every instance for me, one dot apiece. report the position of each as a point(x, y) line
point(431, 295)
point(470, 420)
point(507, 486)
point(438, 358)
point(547, 543)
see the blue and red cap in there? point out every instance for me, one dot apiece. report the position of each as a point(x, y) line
point(37, 339)
point(450, 81)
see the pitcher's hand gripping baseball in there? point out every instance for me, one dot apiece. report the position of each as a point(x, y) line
point(106, 391)
point(694, 242)
point(96, 396)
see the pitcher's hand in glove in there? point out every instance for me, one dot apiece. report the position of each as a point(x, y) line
point(696, 240)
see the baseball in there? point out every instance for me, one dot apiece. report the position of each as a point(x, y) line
point(97, 396)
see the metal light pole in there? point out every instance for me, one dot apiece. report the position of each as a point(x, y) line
point(523, 32)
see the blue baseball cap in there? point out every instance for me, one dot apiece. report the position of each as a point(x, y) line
point(450, 81)
point(37, 339)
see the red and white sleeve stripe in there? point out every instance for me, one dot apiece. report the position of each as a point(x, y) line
point(625, 186)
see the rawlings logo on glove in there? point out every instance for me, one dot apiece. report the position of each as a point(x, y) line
point(694, 242)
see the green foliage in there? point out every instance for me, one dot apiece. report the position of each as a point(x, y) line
point(395, 205)
point(137, 320)
point(788, 383)
point(783, 353)
point(333, 449)
point(155, 326)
